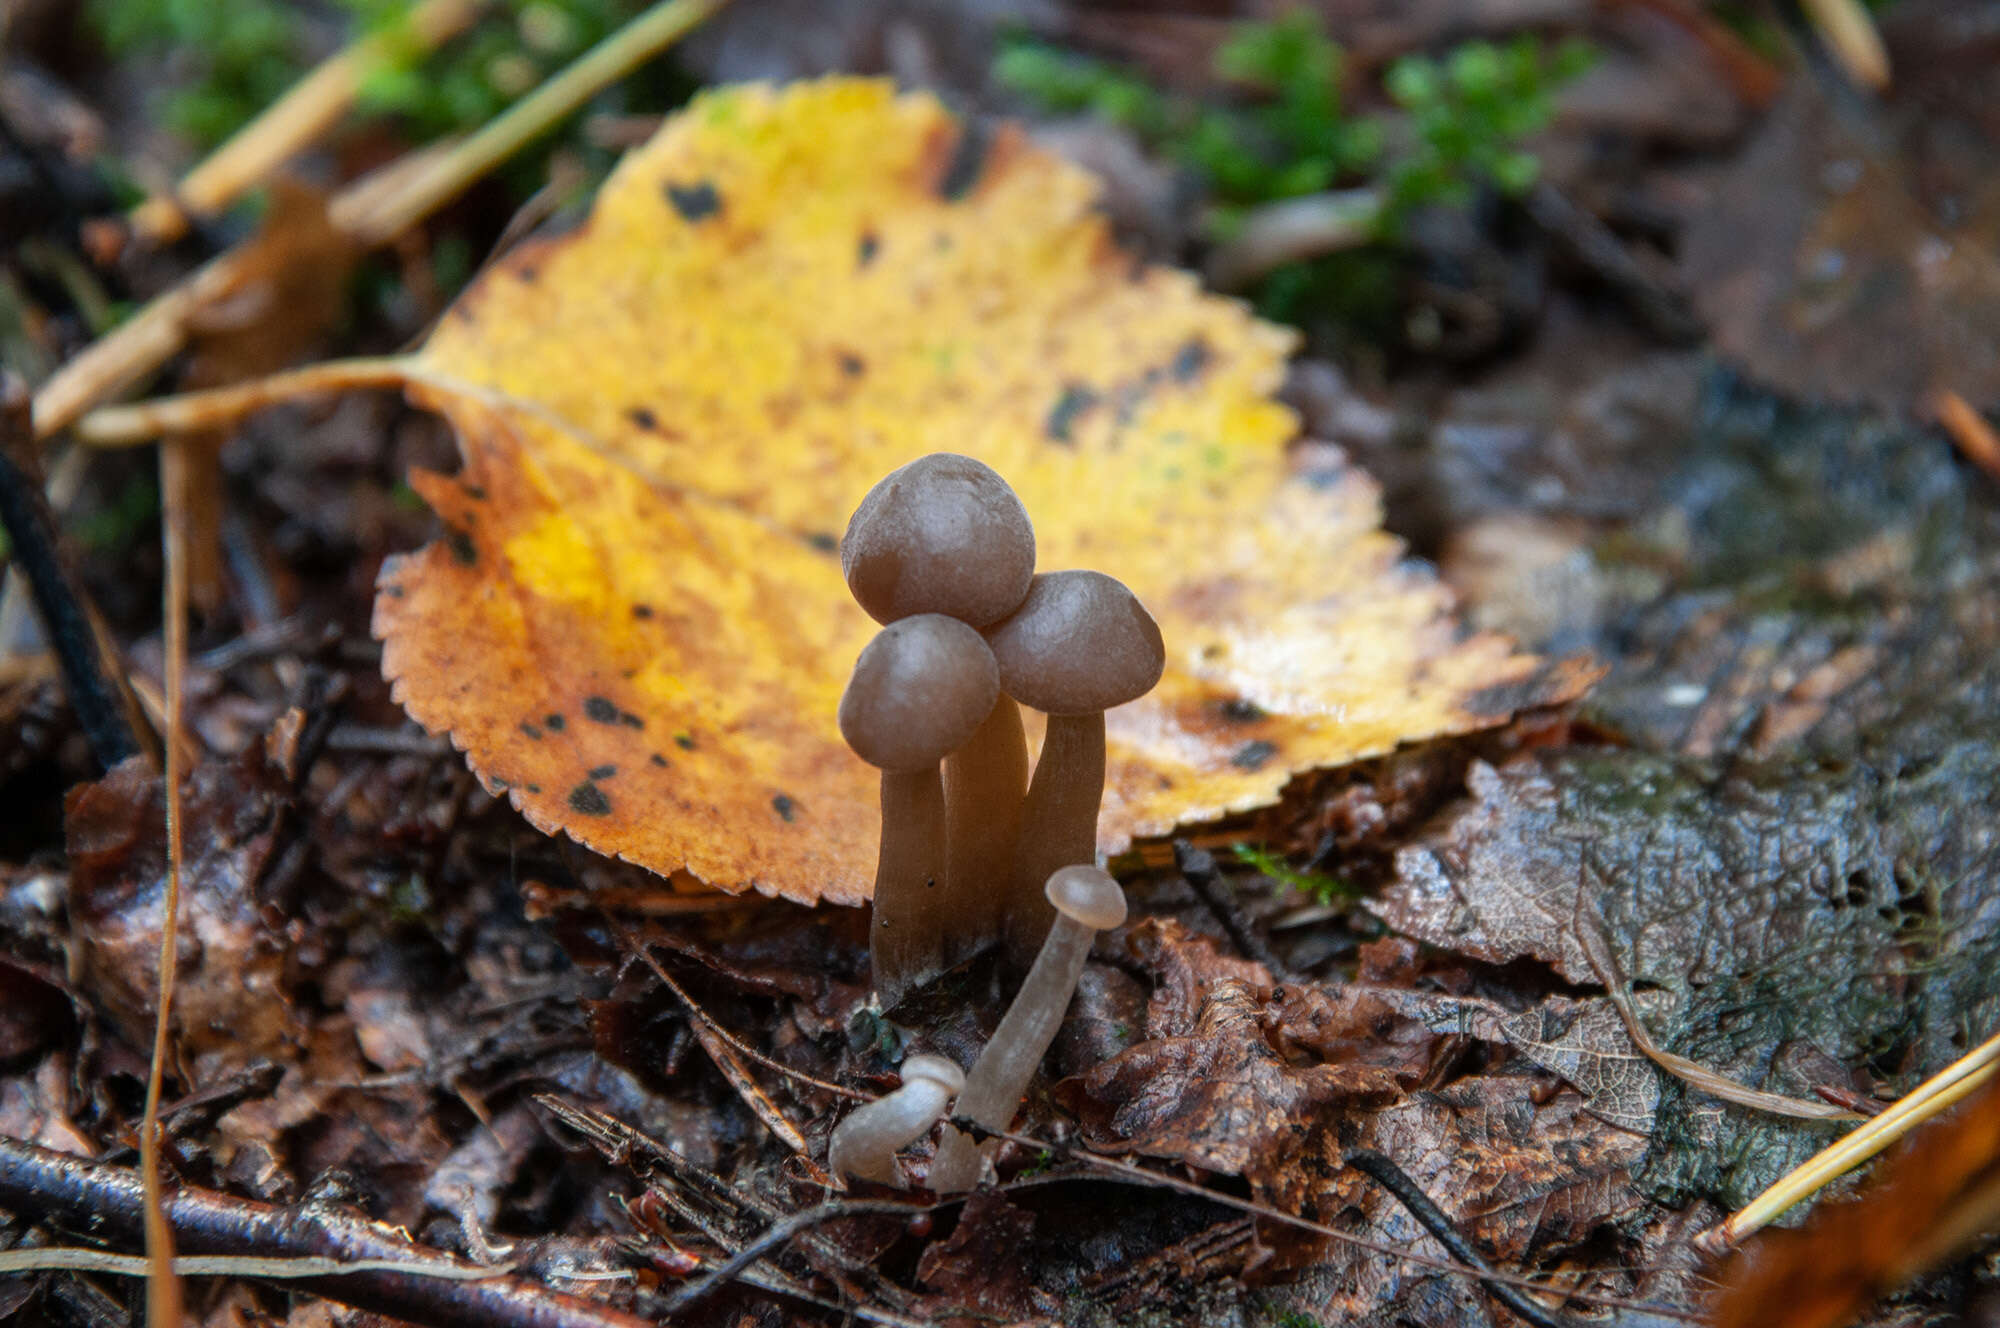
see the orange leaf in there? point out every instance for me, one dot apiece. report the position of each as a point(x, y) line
point(638, 626)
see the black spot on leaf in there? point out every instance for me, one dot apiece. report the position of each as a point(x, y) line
point(643, 418)
point(600, 709)
point(587, 799)
point(1253, 755)
point(684, 741)
point(658, 760)
point(1074, 401)
point(784, 807)
point(865, 251)
point(642, 610)
point(823, 541)
point(1190, 360)
point(1237, 710)
point(695, 202)
point(554, 723)
point(532, 731)
point(463, 550)
point(603, 771)
point(852, 365)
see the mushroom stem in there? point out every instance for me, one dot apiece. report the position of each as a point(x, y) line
point(1084, 901)
point(864, 1145)
point(983, 785)
point(903, 935)
point(1058, 823)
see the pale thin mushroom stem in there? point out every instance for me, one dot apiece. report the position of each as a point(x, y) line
point(903, 948)
point(1085, 901)
point(1058, 824)
point(984, 783)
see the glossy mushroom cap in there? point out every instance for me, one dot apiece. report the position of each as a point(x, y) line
point(944, 534)
point(1088, 896)
point(919, 690)
point(1080, 643)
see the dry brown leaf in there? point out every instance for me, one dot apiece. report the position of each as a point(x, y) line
point(637, 626)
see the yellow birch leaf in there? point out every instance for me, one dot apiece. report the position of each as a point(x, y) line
point(637, 626)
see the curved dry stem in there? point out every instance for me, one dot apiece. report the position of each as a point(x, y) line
point(1058, 824)
point(223, 407)
point(905, 931)
point(998, 1079)
point(984, 783)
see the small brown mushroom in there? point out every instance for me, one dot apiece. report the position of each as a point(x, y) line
point(944, 534)
point(865, 1144)
point(1078, 645)
point(919, 690)
point(1084, 901)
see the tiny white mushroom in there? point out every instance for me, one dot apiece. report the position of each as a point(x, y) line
point(1086, 901)
point(865, 1144)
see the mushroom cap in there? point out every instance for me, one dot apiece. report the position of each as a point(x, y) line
point(919, 690)
point(1087, 894)
point(936, 1069)
point(944, 534)
point(1081, 642)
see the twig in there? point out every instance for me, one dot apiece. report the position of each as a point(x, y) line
point(1962, 1077)
point(1597, 949)
point(158, 331)
point(70, 1258)
point(605, 63)
point(1397, 1182)
point(1969, 430)
point(220, 407)
point(781, 1233)
point(163, 1288)
point(1197, 867)
point(295, 121)
point(703, 1021)
point(1850, 35)
point(1113, 1168)
point(107, 713)
point(1592, 245)
point(1292, 230)
point(108, 1201)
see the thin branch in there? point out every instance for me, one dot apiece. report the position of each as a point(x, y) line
point(92, 674)
point(781, 1233)
point(1116, 1169)
point(1597, 949)
point(703, 1021)
point(296, 120)
point(108, 1201)
point(163, 1288)
point(1197, 868)
point(371, 214)
point(1957, 1080)
point(603, 64)
point(1407, 1192)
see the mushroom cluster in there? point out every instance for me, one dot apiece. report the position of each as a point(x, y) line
point(942, 553)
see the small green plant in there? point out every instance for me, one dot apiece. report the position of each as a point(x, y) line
point(1320, 888)
point(1465, 116)
point(1294, 138)
point(245, 54)
point(246, 50)
point(1468, 114)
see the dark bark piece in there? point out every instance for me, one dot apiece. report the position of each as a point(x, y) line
point(107, 1202)
point(105, 708)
